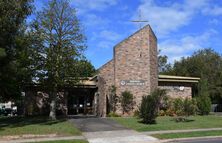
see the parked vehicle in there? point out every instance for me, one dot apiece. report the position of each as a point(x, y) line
point(8, 111)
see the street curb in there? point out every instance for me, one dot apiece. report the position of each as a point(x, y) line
point(180, 131)
point(191, 138)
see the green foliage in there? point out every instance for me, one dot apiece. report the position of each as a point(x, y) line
point(136, 113)
point(113, 114)
point(205, 63)
point(185, 107)
point(178, 106)
point(127, 101)
point(60, 43)
point(113, 98)
point(84, 68)
point(161, 113)
point(203, 100)
point(148, 110)
point(12, 19)
point(163, 66)
point(190, 106)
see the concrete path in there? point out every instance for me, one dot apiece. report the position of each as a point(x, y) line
point(121, 136)
point(104, 130)
point(181, 131)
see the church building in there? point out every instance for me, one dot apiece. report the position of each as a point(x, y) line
point(134, 68)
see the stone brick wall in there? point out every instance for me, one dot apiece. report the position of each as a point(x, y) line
point(153, 60)
point(134, 59)
point(133, 62)
point(177, 90)
point(105, 80)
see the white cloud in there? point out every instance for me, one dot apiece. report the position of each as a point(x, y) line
point(177, 48)
point(172, 16)
point(108, 38)
point(109, 35)
point(92, 20)
point(105, 44)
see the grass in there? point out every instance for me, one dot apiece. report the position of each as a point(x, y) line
point(189, 134)
point(167, 123)
point(65, 141)
point(36, 125)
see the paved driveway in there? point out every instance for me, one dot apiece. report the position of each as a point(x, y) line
point(105, 130)
point(94, 124)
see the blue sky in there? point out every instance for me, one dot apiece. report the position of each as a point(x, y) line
point(181, 26)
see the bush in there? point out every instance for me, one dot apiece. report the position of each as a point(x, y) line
point(178, 107)
point(136, 113)
point(184, 108)
point(127, 101)
point(204, 105)
point(203, 99)
point(162, 113)
point(190, 106)
point(113, 114)
point(113, 99)
point(148, 110)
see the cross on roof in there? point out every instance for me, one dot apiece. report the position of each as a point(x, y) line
point(140, 21)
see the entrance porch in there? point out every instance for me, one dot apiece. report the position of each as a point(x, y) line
point(82, 101)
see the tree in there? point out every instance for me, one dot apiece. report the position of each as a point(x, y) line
point(163, 66)
point(12, 18)
point(127, 101)
point(62, 44)
point(84, 68)
point(205, 63)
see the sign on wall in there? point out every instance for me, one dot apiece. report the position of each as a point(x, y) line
point(132, 82)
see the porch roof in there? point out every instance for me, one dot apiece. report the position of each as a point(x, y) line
point(169, 78)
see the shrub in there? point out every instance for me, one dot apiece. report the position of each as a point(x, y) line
point(170, 112)
point(113, 98)
point(127, 101)
point(203, 99)
point(184, 108)
point(204, 105)
point(148, 110)
point(136, 113)
point(190, 106)
point(178, 107)
point(113, 114)
point(161, 113)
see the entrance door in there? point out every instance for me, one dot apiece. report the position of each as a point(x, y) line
point(80, 104)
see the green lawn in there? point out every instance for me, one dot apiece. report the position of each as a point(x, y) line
point(189, 134)
point(65, 141)
point(36, 125)
point(167, 123)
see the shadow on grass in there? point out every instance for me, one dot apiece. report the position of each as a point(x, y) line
point(13, 122)
point(151, 123)
point(182, 119)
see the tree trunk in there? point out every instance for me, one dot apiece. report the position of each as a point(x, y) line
point(52, 114)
